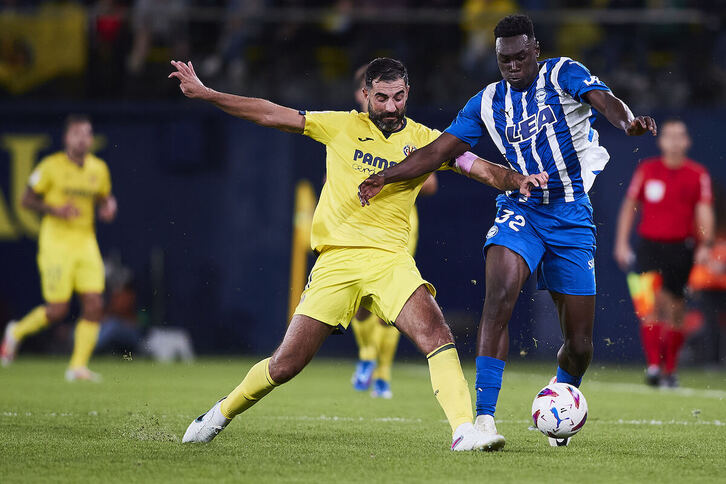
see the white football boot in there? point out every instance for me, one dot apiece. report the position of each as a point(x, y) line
point(493, 440)
point(466, 437)
point(559, 442)
point(9, 346)
point(82, 374)
point(206, 427)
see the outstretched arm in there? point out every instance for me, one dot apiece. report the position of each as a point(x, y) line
point(425, 160)
point(498, 176)
point(619, 114)
point(420, 162)
point(259, 111)
point(467, 163)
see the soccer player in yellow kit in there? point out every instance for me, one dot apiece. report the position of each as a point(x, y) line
point(377, 341)
point(67, 188)
point(362, 253)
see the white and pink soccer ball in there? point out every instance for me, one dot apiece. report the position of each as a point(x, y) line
point(559, 410)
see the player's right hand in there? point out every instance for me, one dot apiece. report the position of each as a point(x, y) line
point(189, 83)
point(531, 181)
point(624, 256)
point(66, 212)
point(370, 187)
point(641, 125)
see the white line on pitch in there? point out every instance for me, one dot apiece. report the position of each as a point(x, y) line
point(716, 423)
point(629, 387)
point(335, 418)
point(642, 389)
point(597, 385)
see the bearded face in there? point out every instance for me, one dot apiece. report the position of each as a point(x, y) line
point(387, 104)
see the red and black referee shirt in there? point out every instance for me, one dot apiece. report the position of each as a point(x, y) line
point(668, 198)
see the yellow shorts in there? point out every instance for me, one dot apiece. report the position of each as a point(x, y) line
point(344, 278)
point(69, 267)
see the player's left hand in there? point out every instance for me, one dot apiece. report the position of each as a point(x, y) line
point(641, 125)
point(189, 83)
point(107, 209)
point(531, 181)
point(370, 187)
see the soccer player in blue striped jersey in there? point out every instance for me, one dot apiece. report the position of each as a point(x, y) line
point(540, 116)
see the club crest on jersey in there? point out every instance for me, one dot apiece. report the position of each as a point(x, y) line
point(540, 96)
point(408, 149)
point(492, 232)
point(530, 126)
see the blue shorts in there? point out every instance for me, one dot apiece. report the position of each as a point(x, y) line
point(557, 240)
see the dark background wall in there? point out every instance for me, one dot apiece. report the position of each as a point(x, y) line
point(214, 195)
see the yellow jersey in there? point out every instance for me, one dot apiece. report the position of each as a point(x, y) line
point(355, 149)
point(61, 181)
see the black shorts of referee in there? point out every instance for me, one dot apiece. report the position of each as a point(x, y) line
point(673, 260)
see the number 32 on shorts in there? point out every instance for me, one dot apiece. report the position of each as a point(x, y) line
point(515, 223)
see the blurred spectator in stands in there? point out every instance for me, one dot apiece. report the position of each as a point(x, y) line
point(8, 4)
point(649, 61)
point(41, 45)
point(240, 26)
point(478, 20)
point(109, 43)
point(717, 61)
point(158, 24)
point(108, 17)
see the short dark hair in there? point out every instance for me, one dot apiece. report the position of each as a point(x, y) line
point(672, 120)
point(385, 69)
point(513, 25)
point(75, 118)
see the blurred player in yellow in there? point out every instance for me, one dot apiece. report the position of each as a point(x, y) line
point(67, 188)
point(362, 253)
point(378, 341)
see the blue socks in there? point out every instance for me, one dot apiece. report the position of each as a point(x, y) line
point(488, 383)
point(564, 377)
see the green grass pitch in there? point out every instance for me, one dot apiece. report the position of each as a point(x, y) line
point(317, 429)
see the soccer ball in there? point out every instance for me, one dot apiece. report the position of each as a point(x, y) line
point(559, 410)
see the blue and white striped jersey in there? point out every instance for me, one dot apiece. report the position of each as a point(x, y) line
point(547, 127)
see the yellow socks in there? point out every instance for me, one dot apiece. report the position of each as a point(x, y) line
point(449, 384)
point(364, 330)
point(386, 342)
point(256, 385)
point(86, 336)
point(33, 322)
